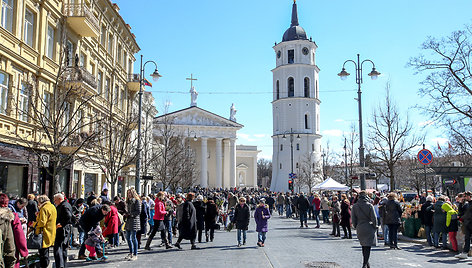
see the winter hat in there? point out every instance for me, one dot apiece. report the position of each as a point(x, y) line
point(200, 197)
point(262, 200)
point(4, 200)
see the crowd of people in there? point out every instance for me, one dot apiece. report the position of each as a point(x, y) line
point(98, 223)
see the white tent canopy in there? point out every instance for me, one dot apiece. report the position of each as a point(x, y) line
point(331, 185)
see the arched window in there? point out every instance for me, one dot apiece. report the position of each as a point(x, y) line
point(291, 87)
point(307, 87)
point(316, 89)
point(277, 86)
point(306, 122)
point(297, 165)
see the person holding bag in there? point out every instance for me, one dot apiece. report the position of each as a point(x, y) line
point(261, 216)
point(46, 225)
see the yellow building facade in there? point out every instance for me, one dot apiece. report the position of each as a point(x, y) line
point(36, 39)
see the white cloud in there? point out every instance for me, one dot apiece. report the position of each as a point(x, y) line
point(425, 123)
point(333, 132)
point(260, 135)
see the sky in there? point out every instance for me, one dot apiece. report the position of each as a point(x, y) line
point(227, 46)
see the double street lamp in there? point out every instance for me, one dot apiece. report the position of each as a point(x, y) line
point(155, 76)
point(373, 74)
point(291, 144)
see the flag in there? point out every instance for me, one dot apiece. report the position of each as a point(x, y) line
point(450, 146)
point(147, 83)
point(439, 147)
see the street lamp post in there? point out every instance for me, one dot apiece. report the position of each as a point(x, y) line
point(291, 145)
point(155, 76)
point(345, 161)
point(373, 74)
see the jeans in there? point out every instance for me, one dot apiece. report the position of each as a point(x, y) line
point(303, 217)
point(168, 224)
point(261, 237)
point(239, 235)
point(436, 239)
point(325, 216)
point(429, 236)
point(316, 214)
point(280, 209)
point(385, 234)
point(289, 211)
point(393, 234)
point(132, 242)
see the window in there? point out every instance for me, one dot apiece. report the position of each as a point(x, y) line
point(47, 107)
point(83, 60)
point(107, 88)
point(118, 54)
point(29, 27)
point(23, 102)
point(7, 14)
point(298, 146)
point(116, 95)
point(100, 83)
point(122, 101)
point(291, 56)
point(313, 147)
point(50, 42)
point(296, 165)
point(103, 35)
point(70, 53)
point(281, 147)
point(307, 87)
point(306, 122)
point(280, 165)
point(291, 87)
point(3, 92)
point(277, 86)
point(110, 44)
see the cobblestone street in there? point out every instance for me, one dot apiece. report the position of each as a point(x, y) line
point(286, 246)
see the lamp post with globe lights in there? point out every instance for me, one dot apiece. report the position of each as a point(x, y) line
point(155, 76)
point(374, 75)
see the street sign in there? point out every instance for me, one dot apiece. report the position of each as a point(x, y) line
point(292, 175)
point(425, 157)
point(449, 181)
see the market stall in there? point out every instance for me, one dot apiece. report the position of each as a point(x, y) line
point(331, 185)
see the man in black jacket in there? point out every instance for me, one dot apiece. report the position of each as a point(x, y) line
point(89, 220)
point(302, 206)
point(241, 219)
point(63, 231)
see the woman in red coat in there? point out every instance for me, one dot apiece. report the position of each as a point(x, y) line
point(112, 222)
point(18, 234)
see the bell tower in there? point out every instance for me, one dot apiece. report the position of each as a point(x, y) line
point(295, 106)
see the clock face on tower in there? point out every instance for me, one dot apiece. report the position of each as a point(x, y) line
point(305, 51)
point(279, 54)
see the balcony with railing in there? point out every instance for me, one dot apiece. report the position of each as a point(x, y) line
point(133, 82)
point(79, 78)
point(81, 19)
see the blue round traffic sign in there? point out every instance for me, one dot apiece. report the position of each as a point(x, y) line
point(425, 157)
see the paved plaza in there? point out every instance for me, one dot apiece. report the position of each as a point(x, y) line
point(286, 246)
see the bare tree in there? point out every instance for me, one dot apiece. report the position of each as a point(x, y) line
point(327, 161)
point(264, 169)
point(448, 84)
point(352, 138)
point(309, 173)
point(390, 137)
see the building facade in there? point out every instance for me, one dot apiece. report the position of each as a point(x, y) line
point(40, 39)
point(295, 105)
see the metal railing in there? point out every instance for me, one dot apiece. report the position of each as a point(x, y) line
point(79, 74)
point(81, 10)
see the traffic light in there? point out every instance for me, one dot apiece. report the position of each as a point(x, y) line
point(290, 185)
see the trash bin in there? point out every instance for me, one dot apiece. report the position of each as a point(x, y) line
point(411, 226)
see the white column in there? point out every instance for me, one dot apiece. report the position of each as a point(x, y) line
point(204, 170)
point(226, 168)
point(232, 164)
point(255, 171)
point(219, 159)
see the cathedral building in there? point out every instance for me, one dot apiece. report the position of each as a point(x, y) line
point(295, 106)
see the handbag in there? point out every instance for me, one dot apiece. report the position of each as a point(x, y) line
point(35, 241)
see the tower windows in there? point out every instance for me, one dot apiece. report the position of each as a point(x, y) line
point(281, 147)
point(312, 147)
point(291, 56)
point(277, 88)
point(307, 87)
point(296, 165)
point(298, 146)
point(306, 122)
point(291, 87)
point(280, 165)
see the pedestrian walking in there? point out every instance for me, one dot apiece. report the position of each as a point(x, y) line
point(45, 224)
point(63, 230)
point(346, 217)
point(188, 222)
point(241, 220)
point(427, 219)
point(317, 209)
point(261, 216)
point(211, 215)
point(325, 209)
point(200, 209)
point(133, 223)
point(365, 223)
point(336, 210)
point(7, 239)
point(303, 205)
point(159, 226)
point(452, 224)
point(392, 218)
point(439, 223)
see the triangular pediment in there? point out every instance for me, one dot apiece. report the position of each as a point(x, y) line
point(195, 116)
